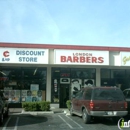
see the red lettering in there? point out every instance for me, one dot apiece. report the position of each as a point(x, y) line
point(63, 58)
point(100, 60)
point(88, 59)
point(94, 60)
point(82, 59)
point(75, 59)
point(69, 59)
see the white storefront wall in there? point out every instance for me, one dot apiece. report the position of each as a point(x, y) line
point(114, 59)
point(64, 58)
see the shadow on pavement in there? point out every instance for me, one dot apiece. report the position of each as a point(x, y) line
point(26, 119)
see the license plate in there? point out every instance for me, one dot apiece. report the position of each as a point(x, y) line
point(110, 113)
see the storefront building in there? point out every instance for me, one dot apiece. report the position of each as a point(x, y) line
point(36, 72)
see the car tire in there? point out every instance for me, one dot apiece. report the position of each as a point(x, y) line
point(71, 110)
point(1, 118)
point(86, 117)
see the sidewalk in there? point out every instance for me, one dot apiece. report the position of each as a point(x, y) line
point(15, 110)
point(61, 110)
point(52, 111)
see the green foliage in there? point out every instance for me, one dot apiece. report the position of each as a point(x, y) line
point(68, 103)
point(36, 106)
point(45, 106)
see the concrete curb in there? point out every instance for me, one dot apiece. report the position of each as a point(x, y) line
point(36, 112)
point(67, 112)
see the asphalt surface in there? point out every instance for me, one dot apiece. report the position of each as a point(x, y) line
point(57, 121)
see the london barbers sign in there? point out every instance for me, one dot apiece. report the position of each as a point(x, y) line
point(23, 55)
point(82, 57)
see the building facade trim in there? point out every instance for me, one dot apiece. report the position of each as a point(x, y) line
point(55, 46)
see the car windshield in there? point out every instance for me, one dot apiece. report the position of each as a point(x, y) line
point(108, 94)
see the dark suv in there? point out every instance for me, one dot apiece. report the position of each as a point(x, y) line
point(99, 102)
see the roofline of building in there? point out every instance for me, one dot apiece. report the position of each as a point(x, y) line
point(58, 46)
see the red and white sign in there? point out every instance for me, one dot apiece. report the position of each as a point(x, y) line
point(6, 54)
point(82, 57)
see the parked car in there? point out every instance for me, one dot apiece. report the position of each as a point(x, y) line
point(4, 107)
point(127, 96)
point(99, 102)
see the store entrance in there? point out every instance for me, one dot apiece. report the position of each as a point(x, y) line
point(64, 95)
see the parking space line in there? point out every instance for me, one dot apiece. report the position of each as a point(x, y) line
point(16, 124)
point(74, 122)
point(66, 122)
point(4, 128)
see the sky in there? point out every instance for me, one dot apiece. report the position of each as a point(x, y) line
point(67, 22)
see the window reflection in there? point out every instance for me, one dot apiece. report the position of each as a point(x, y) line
point(69, 74)
point(19, 79)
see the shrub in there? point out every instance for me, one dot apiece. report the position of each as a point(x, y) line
point(36, 106)
point(45, 105)
point(27, 106)
point(68, 103)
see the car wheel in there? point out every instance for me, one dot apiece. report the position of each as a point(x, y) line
point(71, 110)
point(86, 117)
point(1, 118)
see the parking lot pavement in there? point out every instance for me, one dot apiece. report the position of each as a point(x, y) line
point(58, 121)
point(104, 124)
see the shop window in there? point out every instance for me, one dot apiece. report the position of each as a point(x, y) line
point(105, 82)
point(65, 73)
point(16, 82)
point(83, 73)
point(55, 73)
point(128, 74)
point(127, 79)
point(106, 77)
point(9, 78)
point(105, 73)
point(119, 77)
point(65, 70)
point(117, 73)
point(34, 76)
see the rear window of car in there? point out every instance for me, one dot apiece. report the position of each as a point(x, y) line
point(108, 94)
